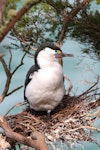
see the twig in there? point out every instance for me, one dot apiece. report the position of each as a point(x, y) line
point(86, 127)
point(34, 119)
point(10, 59)
point(17, 105)
point(37, 140)
point(95, 104)
point(70, 83)
point(95, 114)
point(21, 63)
point(4, 65)
point(22, 40)
point(89, 88)
point(67, 17)
point(16, 89)
point(27, 125)
point(8, 75)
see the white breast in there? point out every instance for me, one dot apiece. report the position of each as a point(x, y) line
point(46, 89)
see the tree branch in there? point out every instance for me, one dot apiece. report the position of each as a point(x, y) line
point(67, 18)
point(14, 90)
point(22, 40)
point(86, 127)
point(36, 140)
point(70, 84)
point(2, 6)
point(21, 63)
point(8, 75)
point(18, 15)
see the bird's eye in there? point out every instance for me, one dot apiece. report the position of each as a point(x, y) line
point(56, 51)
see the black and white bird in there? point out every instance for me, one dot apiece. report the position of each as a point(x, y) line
point(44, 84)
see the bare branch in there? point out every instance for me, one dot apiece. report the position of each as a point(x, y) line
point(10, 59)
point(21, 63)
point(16, 105)
point(67, 18)
point(70, 84)
point(90, 89)
point(16, 89)
point(4, 65)
point(22, 40)
point(36, 140)
point(8, 75)
point(86, 127)
point(53, 5)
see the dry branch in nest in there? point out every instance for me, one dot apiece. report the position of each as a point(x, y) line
point(71, 122)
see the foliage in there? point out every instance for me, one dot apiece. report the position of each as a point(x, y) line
point(86, 29)
point(98, 1)
point(10, 9)
point(39, 24)
point(44, 22)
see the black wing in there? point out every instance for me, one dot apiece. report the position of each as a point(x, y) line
point(33, 69)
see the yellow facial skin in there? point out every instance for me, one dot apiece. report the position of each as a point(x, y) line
point(60, 59)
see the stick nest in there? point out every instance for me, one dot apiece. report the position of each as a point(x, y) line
point(70, 122)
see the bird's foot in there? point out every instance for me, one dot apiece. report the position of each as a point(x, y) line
point(48, 114)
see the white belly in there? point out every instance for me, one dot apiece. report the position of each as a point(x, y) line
point(46, 89)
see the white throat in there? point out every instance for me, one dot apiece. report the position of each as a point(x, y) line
point(46, 58)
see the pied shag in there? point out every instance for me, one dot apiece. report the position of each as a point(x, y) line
point(44, 84)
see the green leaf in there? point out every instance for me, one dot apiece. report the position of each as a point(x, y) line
point(97, 1)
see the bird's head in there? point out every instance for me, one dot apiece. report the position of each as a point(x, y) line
point(49, 52)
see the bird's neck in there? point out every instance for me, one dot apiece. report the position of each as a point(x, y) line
point(46, 63)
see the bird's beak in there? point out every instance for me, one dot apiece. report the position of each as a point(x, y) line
point(60, 55)
point(67, 55)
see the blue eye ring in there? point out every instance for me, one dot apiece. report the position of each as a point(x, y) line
point(56, 51)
